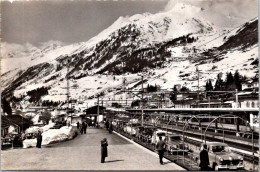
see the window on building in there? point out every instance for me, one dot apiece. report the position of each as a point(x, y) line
point(253, 104)
point(247, 104)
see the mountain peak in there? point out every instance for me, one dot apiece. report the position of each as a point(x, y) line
point(187, 9)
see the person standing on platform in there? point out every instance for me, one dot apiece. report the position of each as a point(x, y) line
point(83, 128)
point(160, 146)
point(204, 159)
point(39, 139)
point(86, 126)
point(104, 145)
point(78, 125)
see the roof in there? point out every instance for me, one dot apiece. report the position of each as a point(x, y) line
point(17, 119)
point(6, 122)
point(216, 144)
point(94, 109)
point(161, 131)
point(77, 115)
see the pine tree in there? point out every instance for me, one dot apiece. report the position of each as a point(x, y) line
point(219, 83)
point(210, 87)
point(229, 81)
point(6, 106)
point(207, 86)
point(237, 81)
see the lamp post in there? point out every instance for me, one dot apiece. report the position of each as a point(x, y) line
point(142, 102)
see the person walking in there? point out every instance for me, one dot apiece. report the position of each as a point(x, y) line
point(160, 146)
point(204, 158)
point(39, 139)
point(110, 128)
point(107, 125)
point(83, 128)
point(104, 145)
point(78, 125)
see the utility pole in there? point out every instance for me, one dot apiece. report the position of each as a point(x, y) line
point(237, 99)
point(68, 85)
point(142, 101)
point(98, 106)
point(197, 69)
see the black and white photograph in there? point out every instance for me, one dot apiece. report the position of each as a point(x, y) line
point(129, 85)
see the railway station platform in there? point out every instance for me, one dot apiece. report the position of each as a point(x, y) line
point(83, 153)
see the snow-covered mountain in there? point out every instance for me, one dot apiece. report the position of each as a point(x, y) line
point(166, 47)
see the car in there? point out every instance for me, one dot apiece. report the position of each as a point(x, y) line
point(157, 134)
point(30, 135)
point(139, 131)
point(131, 128)
point(121, 124)
point(174, 143)
point(116, 123)
point(13, 139)
point(147, 133)
point(59, 124)
point(221, 157)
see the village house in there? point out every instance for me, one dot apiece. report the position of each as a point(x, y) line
point(95, 113)
point(250, 85)
point(13, 123)
point(248, 100)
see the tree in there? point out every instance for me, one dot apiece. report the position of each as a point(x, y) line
point(207, 86)
point(229, 81)
point(210, 86)
point(219, 83)
point(151, 88)
point(46, 116)
point(237, 80)
point(6, 106)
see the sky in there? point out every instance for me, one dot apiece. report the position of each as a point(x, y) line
point(79, 20)
point(67, 21)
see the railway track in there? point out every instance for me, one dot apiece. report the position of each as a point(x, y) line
point(211, 136)
point(189, 163)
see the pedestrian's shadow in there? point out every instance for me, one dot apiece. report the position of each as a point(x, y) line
point(114, 161)
point(168, 162)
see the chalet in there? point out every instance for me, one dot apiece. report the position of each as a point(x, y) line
point(250, 85)
point(14, 123)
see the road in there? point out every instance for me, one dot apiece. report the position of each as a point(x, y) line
point(83, 153)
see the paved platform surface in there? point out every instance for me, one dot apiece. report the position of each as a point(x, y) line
point(83, 153)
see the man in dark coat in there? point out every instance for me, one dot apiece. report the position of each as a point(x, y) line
point(204, 159)
point(110, 128)
point(160, 146)
point(84, 128)
point(107, 125)
point(77, 125)
point(39, 140)
point(104, 145)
